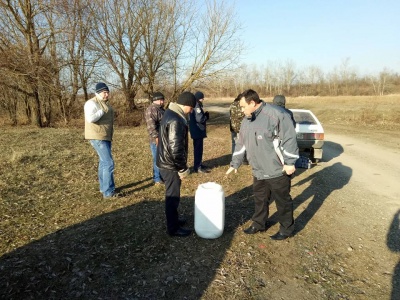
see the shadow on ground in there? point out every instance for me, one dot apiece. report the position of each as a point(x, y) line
point(331, 150)
point(219, 161)
point(321, 184)
point(124, 254)
point(393, 243)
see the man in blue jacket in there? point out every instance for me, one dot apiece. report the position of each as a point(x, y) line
point(198, 132)
point(153, 116)
point(269, 138)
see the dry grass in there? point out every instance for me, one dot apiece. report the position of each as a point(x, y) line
point(372, 111)
point(61, 240)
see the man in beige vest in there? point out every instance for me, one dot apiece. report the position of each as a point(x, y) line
point(99, 128)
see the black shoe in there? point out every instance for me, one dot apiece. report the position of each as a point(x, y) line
point(182, 221)
point(279, 236)
point(203, 170)
point(252, 230)
point(181, 232)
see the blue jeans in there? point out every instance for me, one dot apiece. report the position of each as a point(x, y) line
point(156, 171)
point(106, 166)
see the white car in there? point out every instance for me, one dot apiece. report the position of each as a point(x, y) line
point(310, 133)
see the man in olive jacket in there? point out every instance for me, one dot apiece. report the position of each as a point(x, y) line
point(172, 155)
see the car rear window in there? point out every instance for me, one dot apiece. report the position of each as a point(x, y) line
point(304, 118)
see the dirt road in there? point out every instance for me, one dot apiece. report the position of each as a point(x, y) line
point(347, 212)
point(355, 193)
point(374, 167)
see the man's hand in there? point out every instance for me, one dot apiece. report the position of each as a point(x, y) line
point(289, 170)
point(230, 170)
point(156, 141)
point(183, 173)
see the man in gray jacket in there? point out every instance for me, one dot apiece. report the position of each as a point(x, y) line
point(269, 138)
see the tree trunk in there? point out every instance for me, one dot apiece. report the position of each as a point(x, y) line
point(36, 116)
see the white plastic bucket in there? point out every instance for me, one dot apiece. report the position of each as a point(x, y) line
point(209, 210)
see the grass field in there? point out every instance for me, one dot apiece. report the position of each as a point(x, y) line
point(60, 240)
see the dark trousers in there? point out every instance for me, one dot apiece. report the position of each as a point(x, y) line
point(198, 153)
point(172, 198)
point(280, 188)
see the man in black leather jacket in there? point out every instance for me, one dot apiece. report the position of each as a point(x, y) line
point(172, 154)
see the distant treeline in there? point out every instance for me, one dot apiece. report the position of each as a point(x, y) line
point(15, 108)
point(52, 54)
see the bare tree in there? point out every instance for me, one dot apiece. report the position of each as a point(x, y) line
point(288, 75)
point(333, 78)
point(211, 45)
point(77, 62)
point(347, 74)
point(379, 83)
point(158, 22)
point(311, 79)
point(9, 102)
point(116, 37)
point(144, 41)
point(238, 77)
point(269, 78)
point(24, 37)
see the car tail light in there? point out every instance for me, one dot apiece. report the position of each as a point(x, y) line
point(313, 136)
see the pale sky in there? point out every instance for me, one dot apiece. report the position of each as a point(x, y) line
point(322, 33)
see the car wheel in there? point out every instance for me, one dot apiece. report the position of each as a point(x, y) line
point(313, 159)
point(311, 156)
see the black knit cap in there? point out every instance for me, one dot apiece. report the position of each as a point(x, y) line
point(101, 86)
point(199, 95)
point(187, 99)
point(158, 96)
point(279, 100)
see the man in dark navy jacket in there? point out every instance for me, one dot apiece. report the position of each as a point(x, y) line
point(197, 126)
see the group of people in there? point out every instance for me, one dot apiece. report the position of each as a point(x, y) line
point(168, 137)
point(197, 127)
point(262, 134)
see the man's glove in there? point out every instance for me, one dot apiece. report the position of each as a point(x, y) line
point(183, 173)
point(207, 114)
